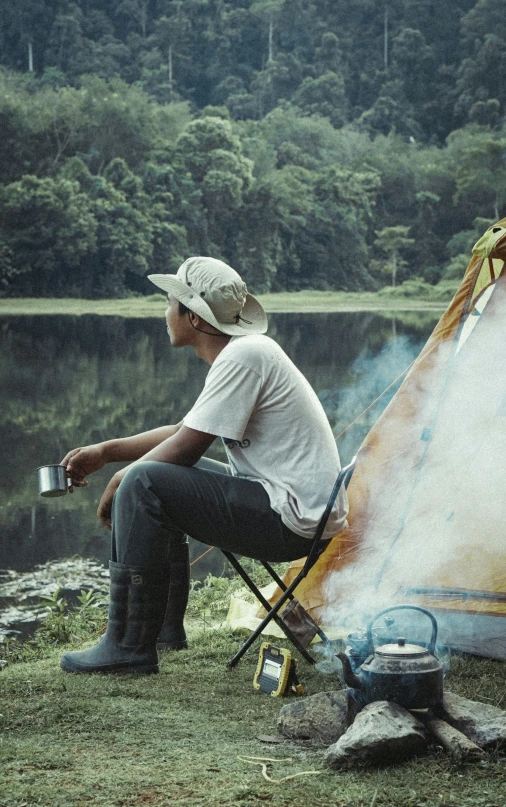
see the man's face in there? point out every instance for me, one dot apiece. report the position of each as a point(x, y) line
point(178, 326)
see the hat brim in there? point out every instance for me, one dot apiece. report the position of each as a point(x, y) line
point(253, 317)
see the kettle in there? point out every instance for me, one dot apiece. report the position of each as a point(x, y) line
point(408, 674)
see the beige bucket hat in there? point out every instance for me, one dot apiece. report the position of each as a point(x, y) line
point(215, 292)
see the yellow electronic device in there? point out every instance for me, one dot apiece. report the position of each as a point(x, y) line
point(276, 672)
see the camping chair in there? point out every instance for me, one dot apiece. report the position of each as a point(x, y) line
point(294, 616)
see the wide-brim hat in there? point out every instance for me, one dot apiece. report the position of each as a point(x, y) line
point(214, 291)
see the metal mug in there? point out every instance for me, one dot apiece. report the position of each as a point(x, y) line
point(53, 480)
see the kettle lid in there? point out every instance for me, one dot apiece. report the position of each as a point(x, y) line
point(400, 648)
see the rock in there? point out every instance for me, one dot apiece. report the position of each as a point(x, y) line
point(324, 717)
point(20, 592)
point(381, 732)
point(485, 725)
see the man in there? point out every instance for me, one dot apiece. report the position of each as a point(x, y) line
point(264, 504)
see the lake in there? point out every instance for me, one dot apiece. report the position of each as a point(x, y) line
point(67, 381)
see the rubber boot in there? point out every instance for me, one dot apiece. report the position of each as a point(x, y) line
point(173, 635)
point(136, 609)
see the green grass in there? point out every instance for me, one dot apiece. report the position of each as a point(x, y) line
point(404, 298)
point(175, 738)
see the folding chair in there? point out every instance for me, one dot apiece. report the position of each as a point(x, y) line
point(294, 611)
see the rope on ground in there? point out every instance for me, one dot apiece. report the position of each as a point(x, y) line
point(262, 762)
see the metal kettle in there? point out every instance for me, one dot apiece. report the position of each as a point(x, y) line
point(407, 674)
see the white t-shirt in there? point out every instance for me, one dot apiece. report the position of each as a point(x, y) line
point(274, 429)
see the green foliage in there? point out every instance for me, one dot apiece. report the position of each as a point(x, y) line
point(209, 600)
point(208, 604)
point(417, 287)
point(325, 96)
point(280, 135)
point(480, 175)
point(48, 226)
point(392, 241)
point(62, 625)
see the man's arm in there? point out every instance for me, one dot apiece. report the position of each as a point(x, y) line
point(80, 462)
point(184, 447)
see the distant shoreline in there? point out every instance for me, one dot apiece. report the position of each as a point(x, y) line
point(301, 302)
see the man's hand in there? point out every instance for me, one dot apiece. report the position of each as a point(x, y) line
point(83, 461)
point(104, 511)
point(184, 447)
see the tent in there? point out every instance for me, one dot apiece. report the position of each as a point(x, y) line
point(428, 497)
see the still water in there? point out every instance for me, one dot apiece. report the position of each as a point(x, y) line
point(69, 381)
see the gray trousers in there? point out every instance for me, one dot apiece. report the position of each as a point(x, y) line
point(158, 504)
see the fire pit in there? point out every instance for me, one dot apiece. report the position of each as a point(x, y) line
point(395, 706)
point(384, 732)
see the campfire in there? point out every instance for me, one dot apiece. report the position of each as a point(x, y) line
point(394, 707)
point(383, 731)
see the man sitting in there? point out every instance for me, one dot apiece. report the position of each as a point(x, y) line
point(265, 504)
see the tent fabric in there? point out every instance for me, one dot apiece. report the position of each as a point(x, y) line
point(427, 503)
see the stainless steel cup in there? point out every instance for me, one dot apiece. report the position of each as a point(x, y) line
point(53, 480)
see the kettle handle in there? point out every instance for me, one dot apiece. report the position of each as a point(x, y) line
point(432, 644)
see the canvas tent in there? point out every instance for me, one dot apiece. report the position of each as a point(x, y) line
point(428, 497)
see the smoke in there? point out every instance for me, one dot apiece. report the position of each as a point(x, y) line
point(432, 513)
point(370, 375)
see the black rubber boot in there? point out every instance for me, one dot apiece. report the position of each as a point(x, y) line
point(172, 635)
point(136, 610)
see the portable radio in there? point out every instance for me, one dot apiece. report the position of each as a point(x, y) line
point(276, 672)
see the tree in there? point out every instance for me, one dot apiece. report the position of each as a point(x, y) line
point(133, 15)
point(61, 112)
point(268, 10)
point(7, 271)
point(25, 26)
point(170, 186)
point(392, 241)
point(391, 113)
point(481, 172)
point(324, 96)
point(336, 234)
point(275, 210)
point(300, 227)
point(49, 227)
point(329, 56)
point(213, 157)
point(170, 38)
point(168, 243)
point(483, 18)
point(277, 81)
point(122, 122)
point(484, 42)
point(67, 48)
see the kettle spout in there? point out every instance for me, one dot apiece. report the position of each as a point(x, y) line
point(350, 678)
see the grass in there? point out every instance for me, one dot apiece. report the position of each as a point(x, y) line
point(428, 299)
point(175, 738)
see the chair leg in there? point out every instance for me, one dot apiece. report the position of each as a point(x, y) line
point(315, 551)
point(272, 613)
point(282, 585)
point(275, 576)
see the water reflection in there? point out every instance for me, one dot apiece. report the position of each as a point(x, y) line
point(68, 381)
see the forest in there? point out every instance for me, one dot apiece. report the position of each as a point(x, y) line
point(311, 144)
